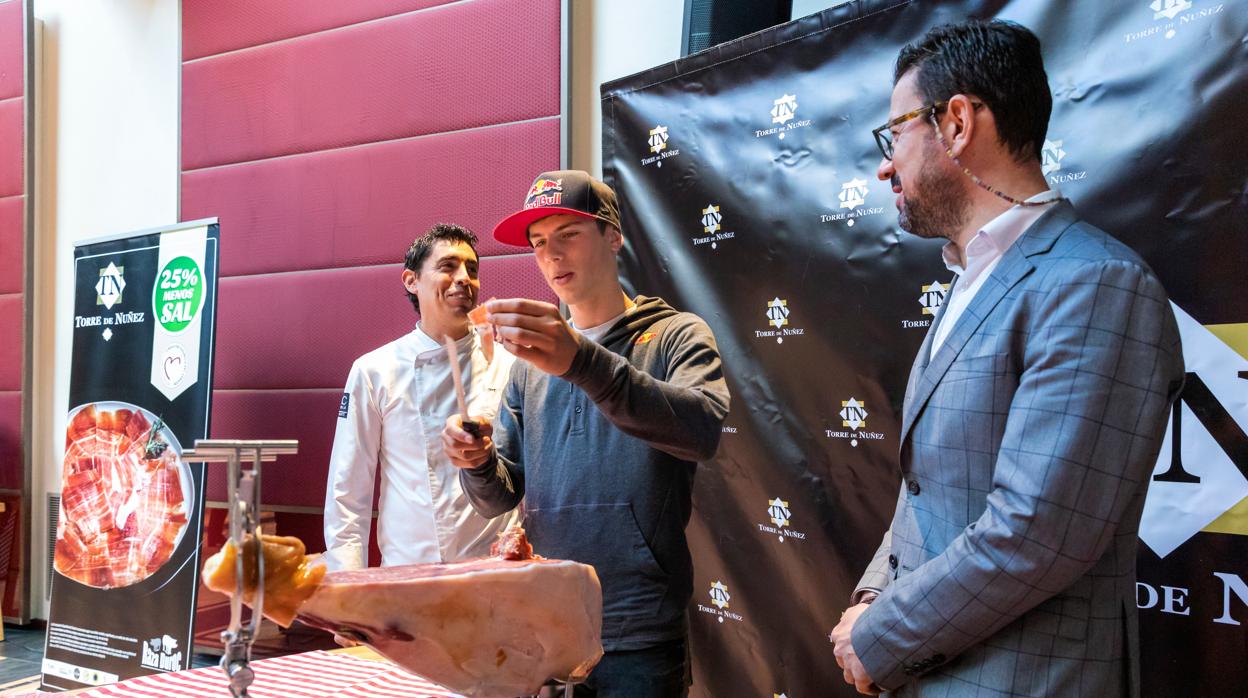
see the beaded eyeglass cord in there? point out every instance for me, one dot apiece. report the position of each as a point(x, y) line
point(949, 151)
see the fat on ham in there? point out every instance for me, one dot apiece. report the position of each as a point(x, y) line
point(494, 627)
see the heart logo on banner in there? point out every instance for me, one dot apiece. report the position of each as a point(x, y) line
point(174, 365)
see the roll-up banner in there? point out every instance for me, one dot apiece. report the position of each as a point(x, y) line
point(748, 194)
point(126, 560)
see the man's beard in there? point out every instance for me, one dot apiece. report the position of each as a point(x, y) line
point(934, 205)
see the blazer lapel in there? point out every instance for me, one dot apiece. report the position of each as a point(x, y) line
point(1013, 268)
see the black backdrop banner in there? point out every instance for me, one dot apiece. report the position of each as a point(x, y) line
point(128, 540)
point(748, 195)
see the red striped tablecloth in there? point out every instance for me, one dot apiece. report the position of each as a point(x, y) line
point(310, 675)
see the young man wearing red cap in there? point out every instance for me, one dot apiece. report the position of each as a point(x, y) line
point(601, 427)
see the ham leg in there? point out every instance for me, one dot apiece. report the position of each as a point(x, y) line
point(492, 627)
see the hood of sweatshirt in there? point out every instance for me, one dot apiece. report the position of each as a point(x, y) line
point(647, 312)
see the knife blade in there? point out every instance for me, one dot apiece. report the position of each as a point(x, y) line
point(452, 355)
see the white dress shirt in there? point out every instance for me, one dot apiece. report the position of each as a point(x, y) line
point(397, 400)
point(983, 253)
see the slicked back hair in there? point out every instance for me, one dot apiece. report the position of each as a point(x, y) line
point(997, 61)
point(423, 246)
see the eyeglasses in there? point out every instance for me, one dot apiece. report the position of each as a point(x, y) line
point(884, 136)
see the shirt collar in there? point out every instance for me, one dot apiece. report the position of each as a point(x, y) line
point(426, 348)
point(997, 235)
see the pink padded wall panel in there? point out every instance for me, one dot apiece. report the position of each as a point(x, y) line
point(11, 439)
point(215, 26)
point(307, 415)
point(12, 235)
point(364, 205)
point(419, 73)
point(12, 148)
point(303, 329)
point(515, 276)
point(12, 49)
point(11, 329)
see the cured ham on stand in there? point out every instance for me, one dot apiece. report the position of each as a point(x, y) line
point(495, 627)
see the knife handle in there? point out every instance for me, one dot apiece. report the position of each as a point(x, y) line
point(472, 427)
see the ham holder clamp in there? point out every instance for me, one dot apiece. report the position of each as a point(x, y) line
point(243, 483)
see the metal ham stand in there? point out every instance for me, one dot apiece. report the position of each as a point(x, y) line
point(243, 483)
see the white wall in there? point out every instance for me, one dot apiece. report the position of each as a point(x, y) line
point(106, 161)
point(611, 39)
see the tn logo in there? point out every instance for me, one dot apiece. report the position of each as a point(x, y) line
point(778, 510)
point(108, 289)
point(783, 108)
point(720, 595)
point(853, 193)
point(711, 218)
point(853, 414)
point(658, 138)
point(1051, 157)
point(778, 312)
point(933, 297)
point(1169, 8)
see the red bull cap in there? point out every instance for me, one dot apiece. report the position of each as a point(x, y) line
point(561, 191)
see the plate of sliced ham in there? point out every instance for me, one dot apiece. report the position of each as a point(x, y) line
point(125, 495)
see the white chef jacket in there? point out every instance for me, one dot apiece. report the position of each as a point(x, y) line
point(392, 414)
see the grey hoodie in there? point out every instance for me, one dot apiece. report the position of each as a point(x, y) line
point(605, 457)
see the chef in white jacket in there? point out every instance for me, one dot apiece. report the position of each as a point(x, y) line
point(396, 403)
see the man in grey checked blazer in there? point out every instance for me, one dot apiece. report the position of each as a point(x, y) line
point(1035, 408)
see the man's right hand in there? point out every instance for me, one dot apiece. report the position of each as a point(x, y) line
point(464, 449)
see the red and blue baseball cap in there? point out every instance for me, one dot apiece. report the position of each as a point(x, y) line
point(552, 193)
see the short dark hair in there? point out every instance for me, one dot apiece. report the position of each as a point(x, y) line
point(422, 247)
point(999, 62)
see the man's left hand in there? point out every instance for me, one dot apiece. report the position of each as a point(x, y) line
point(846, 658)
point(534, 331)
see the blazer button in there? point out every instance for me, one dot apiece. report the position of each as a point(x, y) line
point(892, 561)
point(913, 486)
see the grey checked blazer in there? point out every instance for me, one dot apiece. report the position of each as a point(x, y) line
point(1027, 445)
